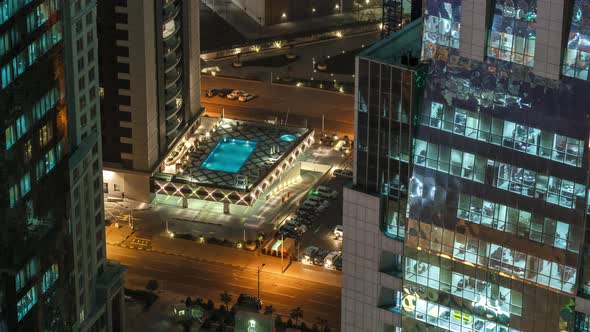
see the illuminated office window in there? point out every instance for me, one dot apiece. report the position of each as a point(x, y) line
point(513, 33)
point(441, 28)
point(522, 223)
point(471, 251)
point(577, 56)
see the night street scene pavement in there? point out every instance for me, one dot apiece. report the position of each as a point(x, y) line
point(294, 165)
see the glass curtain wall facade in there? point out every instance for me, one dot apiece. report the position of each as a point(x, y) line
point(35, 243)
point(482, 168)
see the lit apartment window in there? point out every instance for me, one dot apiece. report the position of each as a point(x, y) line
point(9, 136)
point(45, 134)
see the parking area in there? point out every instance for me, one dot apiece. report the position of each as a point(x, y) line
point(316, 224)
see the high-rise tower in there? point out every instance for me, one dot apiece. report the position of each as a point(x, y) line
point(150, 86)
point(470, 198)
point(54, 275)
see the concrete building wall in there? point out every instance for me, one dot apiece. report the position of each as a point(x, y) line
point(143, 87)
point(363, 285)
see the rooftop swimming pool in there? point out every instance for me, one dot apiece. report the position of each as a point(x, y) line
point(229, 155)
point(288, 138)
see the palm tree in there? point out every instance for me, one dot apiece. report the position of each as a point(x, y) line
point(296, 314)
point(322, 324)
point(226, 299)
point(269, 310)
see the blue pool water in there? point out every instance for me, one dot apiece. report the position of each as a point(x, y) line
point(229, 155)
point(288, 138)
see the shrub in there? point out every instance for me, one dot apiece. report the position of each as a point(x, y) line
point(152, 285)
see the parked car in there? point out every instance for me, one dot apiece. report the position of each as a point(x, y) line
point(246, 97)
point(308, 254)
point(338, 262)
point(339, 231)
point(318, 200)
point(311, 205)
point(306, 214)
point(330, 260)
point(211, 92)
point(343, 173)
point(235, 94)
point(326, 192)
point(304, 221)
point(320, 255)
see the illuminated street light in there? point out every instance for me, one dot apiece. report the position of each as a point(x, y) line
point(259, 270)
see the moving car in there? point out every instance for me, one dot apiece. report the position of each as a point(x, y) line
point(307, 255)
point(326, 192)
point(235, 94)
point(339, 231)
point(346, 173)
point(246, 97)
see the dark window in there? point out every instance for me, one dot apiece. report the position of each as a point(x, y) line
point(124, 100)
point(122, 51)
point(121, 18)
point(121, 3)
point(125, 132)
point(123, 84)
point(123, 67)
point(125, 116)
point(121, 34)
point(126, 148)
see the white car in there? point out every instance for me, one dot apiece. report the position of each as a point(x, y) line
point(246, 97)
point(329, 260)
point(310, 205)
point(325, 192)
point(343, 172)
point(339, 231)
point(319, 205)
point(235, 94)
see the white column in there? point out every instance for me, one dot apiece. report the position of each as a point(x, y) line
point(474, 27)
point(548, 47)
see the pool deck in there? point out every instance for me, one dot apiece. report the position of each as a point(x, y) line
point(270, 153)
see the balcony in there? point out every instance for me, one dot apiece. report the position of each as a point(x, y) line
point(172, 125)
point(170, 11)
point(171, 45)
point(171, 61)
point(172, 77)
point(171, 108)
point(170, 28)
point(173, 92)
point(174, 109)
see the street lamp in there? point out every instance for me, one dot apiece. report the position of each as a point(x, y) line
point(259, 270)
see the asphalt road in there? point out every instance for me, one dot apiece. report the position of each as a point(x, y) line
point(274, 100)
point(183, 277)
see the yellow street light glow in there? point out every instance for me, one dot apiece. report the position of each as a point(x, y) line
point(338, 34)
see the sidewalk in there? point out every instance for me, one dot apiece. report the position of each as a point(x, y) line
point(244, 259)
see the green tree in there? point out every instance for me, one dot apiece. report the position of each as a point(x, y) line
point(269, 310)
point(225, 297)
point(296, 314)
point(322, 324)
